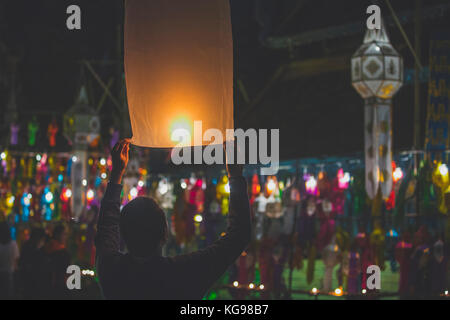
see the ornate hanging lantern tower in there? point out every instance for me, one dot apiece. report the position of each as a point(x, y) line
point(377, 74)
point(82, 128)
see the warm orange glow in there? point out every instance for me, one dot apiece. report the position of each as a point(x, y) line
point(338, 292)
point(397, 174)
point(181, 128)
point(178, 66)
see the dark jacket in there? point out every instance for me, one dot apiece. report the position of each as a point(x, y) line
point(189, 276)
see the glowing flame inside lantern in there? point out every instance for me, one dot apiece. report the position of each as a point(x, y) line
point(181, 131)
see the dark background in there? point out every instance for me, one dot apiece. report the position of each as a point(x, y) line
point(301, 86)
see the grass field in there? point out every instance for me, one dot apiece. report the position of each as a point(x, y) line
point(389, 284)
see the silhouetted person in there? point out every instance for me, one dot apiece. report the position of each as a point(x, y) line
point(32, 265)
point(144, 273)
point(9, 254)
point(58, 259)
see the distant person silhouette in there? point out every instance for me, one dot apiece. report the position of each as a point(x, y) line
point(58, 259)
point(144, 273)
point(9, 256)
point(32, 265)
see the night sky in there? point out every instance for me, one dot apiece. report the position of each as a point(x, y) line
point(318, 113)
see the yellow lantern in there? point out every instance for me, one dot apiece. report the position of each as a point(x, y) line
point(223, 193)
point(223, 188)
point(179, 69)
point(441, 180)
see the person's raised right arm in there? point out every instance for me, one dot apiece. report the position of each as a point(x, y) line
point(205, 266)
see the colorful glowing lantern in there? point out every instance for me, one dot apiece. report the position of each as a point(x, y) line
point(26, 202)
point(90, 194)
point(66, 194)
point(48, 197)
point(397, 175)
point(223, 193)
point(311, 184)
point(441, 180)
point(47, 205)
point(343, 179)
point(271, 186)
point(256, 188)
point(10, 199)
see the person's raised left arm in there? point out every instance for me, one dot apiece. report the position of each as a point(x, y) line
point(107, 239)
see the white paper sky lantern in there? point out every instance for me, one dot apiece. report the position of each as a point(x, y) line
point(377, 68)
point(377, 74)
point(178, 67)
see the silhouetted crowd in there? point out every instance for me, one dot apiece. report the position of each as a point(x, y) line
point(38, 271)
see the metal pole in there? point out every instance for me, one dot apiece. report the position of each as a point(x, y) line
point(418, 68)
point(417, 49)
point(402, 31)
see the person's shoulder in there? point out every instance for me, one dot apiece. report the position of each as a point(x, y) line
point(113, 257)
point(165, 263)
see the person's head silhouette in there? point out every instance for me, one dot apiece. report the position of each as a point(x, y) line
point(143, 223)
point(143, 226)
